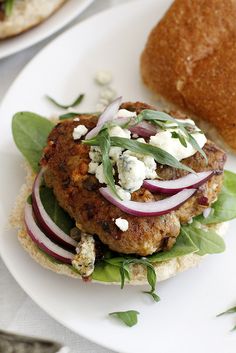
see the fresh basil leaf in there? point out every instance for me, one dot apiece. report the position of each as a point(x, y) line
point(154, 296)
point(207, 241)
point(74, 114)
point(181, 138)
point(129, 318)
point(229, 311)
point(157, 153)
point(55, 212)
point(183, 246)
point(30, 132)
point(224, 209)
point(196, 146)
point(8, 7)
point(77, 101)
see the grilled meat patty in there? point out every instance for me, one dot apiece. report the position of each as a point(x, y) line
point(66, 161)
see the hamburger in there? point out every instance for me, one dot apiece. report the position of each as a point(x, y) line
point(189, 63)
point(132, 195)
point(18, 16)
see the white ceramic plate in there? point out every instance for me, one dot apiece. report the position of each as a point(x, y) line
point(59, 19)
point(184, 321)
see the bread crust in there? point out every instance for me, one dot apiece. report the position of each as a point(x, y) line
point(189, 60)
point(164, 270)
point(27, 14)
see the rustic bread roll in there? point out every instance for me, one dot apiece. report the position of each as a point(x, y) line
point(27, 14)
point(190, 61)
point(138, 276)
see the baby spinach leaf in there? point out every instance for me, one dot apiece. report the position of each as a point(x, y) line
point(105, 272)
point(77, 101)
point(53, 209)
point(224, 209)
point(183, 246)
point(30, 132)
point(207, 241)
point(129, 318)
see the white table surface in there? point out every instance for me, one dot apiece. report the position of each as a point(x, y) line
point(18, 312)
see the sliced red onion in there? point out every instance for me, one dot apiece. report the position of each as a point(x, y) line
point(44, 220)
point(144, 129)
point(173, 186)
point(109, 114)
point(156, 208)
point(42, 241)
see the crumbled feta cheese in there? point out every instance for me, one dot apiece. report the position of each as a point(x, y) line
point(164, 140)
point(115, 153)
point(124, 195)
point(79, 131)
point(141, 139)
point(149, 162)
point(107, 94)
point(123, 224)
point(76, 119)
point(119, 132)
point(92, 167)
point(84, 260)
point(100, 175)
point(135, 136)
point(95, 154)
point(103, 77)
point(124, 113)
point(131, 172)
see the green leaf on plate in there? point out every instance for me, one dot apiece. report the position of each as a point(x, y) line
point(30, 132)
point(129, 318)
point(229, 311)
point(77, 101)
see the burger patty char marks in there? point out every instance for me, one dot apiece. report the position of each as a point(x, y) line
point(66, 161)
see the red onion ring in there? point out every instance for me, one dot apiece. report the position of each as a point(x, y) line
point(156, 208)
point(109, 114)
point(44, 220)
point(143, 129)
point(42, 241)
point(191, 180)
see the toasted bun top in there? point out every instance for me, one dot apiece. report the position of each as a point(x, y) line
point(27, 14)
point(190, 60)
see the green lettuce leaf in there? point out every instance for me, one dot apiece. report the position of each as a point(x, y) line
point(30, 132)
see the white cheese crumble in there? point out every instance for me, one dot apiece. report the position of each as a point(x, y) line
point(76, 119)
point(119, 132)
point(123, 224)
point(79, 131)
point(131, 172)
point(124, 195)
point(92, 167)
point(124, 113)
point(103, 77)
point(165, 141)
point(100, 175)
point(95, 154)
point(84, 259)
